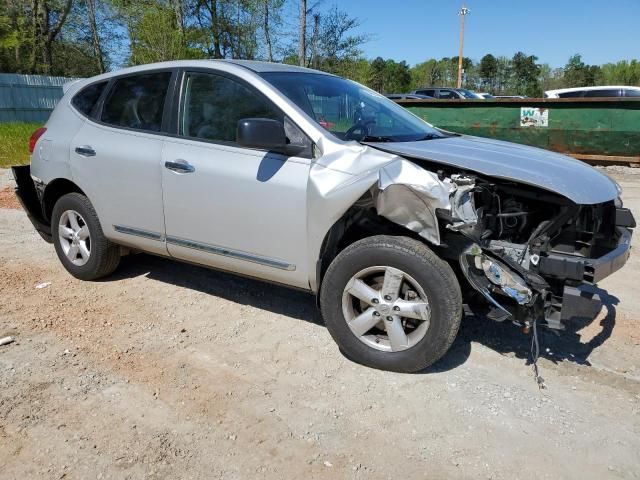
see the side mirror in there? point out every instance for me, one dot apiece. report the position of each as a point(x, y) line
point(263, 133)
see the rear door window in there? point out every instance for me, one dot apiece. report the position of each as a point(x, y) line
point(632, 93)
point(137, 101)
point(86, 99)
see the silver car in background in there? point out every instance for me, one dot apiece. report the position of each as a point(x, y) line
point(308, 180)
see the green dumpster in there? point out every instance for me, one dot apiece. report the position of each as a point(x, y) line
point(591, 129)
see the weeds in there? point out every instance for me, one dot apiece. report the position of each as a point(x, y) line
point(14, 141)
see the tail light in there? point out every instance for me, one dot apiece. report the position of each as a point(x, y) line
point(34, 138)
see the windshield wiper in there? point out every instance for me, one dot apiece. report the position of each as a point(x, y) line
point(380, 138)
point(376, 138)
point(430, 136)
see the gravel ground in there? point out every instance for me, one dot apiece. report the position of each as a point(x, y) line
point(167, 370)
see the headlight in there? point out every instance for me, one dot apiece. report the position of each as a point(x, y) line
point(500, 275)
point(618, 187)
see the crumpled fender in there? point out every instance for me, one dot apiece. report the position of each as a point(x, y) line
point(409, 196)
point(404, 193)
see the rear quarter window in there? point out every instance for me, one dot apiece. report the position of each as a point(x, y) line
point(137, 101)
point(86, 99)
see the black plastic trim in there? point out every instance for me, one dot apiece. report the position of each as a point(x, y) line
point(590, 270)
point(139, 233)
point(30, 201)
point(624, 218)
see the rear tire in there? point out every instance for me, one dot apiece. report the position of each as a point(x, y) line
point(79, 241)
point(428, 294)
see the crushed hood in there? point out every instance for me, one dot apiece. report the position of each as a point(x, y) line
point(551, 171)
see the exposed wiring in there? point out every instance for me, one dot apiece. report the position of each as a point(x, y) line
point(535, 354)
point(534, 234)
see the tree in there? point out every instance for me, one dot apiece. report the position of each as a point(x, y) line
point(525, 74)
point(377, 77)
point(13, 35)
point(488, 71)
point(425, 74)
point(47, 17)
point(335, 47)
point(155, 37)
point(550, 78)
point(578, 74)
point(302, 34)
point(620, 73)
point(267, 29)
point(387, 76)
point(95, 37)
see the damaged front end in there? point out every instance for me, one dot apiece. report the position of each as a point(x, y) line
point(529, 252)
point(474, 224)
point(533, 252)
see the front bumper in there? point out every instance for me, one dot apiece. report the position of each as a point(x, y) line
point(579, 297)
point(565, 284)
point(588, 270)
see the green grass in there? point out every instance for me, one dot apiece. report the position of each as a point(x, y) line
point(14, 142)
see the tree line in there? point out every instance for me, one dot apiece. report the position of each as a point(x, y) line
point(81, 38)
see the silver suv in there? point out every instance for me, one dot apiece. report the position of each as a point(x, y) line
point(305, 179)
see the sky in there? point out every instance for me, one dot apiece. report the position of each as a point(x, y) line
point(602, 31)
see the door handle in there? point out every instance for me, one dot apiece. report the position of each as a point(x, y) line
point(180, 166)
point(86, 151)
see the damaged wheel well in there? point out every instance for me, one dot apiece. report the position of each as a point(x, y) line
point(356, 223)
point(53, 191)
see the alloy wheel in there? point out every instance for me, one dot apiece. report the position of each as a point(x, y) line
point(386, 308)
point(74, 236)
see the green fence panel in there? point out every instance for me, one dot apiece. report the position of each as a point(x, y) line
point(29, 98)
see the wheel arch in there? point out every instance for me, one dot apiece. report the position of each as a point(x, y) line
point(356, 224)
point(54, 190)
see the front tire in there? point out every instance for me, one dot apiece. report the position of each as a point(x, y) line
point(391, 303)
point(79, 241)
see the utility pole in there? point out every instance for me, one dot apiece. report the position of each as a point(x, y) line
point(464, 11)
point(302, 48)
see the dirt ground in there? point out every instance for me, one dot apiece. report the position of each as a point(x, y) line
point(167, 370)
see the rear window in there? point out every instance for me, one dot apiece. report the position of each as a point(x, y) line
point(137, 101)
point(86, 99)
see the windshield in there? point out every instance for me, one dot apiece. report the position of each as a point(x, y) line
point(349, 110)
